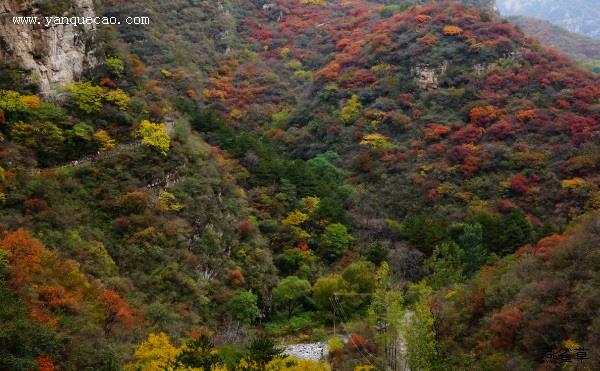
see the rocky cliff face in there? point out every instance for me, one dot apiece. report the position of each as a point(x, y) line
point(427, 77)
point(53, 55)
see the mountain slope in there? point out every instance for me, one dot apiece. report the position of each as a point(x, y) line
point(556, 37)
point(405, 72)
point(584, 50)
point(107, 234)
point(521, 307)
point(579, 16)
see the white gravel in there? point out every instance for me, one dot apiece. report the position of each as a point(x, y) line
point(310, 351)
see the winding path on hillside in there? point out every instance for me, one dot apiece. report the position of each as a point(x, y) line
point(118, 150)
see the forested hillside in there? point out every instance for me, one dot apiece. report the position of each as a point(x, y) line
point(410, 183)
point(584, 50)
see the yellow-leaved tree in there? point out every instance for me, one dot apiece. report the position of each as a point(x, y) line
point(168, 202)
point(351, 110)
point(31, 101)
point(296, 218)
point(365, 368)
point(105, 142)
point(11, 101)
point(153, 354)
point(118, 98)
point(294, 364)
point(154, 135)
point(86, 96)
point(377, 141)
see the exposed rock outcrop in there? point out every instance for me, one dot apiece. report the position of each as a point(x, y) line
point(427, 77)
point(55, 54)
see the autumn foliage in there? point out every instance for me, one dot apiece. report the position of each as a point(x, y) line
point(435, 132)
point(526, 115)
point(519, 184)
point(236, 277)
point(452, 31)
point(468, 134)
point(422, 18)
point(308, 137)
point(358, 343)
point(55, 289)
point(505, 325)
point(428, 39)
point(501, 130)
point(482, 116)
point(45, 364)
point(25, 257)
point(116, 311)
point(530, 317)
